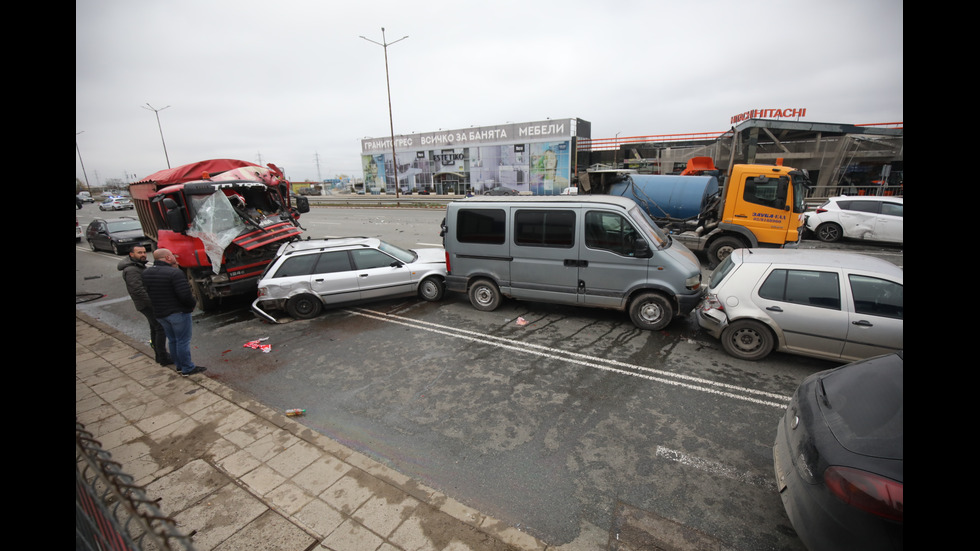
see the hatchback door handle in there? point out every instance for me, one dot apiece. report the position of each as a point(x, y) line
point(774, 308)
point(863, 323)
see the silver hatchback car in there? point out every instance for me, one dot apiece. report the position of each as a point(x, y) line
point(307, 276)
point(824, 304)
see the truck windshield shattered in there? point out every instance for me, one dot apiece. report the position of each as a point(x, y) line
point(223, 219)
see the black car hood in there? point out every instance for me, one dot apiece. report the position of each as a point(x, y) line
point(128, 234)
point(863, 406)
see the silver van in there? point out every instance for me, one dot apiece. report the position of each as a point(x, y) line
point(601, 251)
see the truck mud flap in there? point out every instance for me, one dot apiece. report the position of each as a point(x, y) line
point(269, 234)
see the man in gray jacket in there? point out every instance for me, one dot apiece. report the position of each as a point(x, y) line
point(132, 271)
point(173, 301)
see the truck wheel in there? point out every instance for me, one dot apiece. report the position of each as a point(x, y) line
point(722, 247)
point(304, 307)
point(747, 340)
point(651, 311)
point(484, 295)
point(829, 232)
point(432, 289)
point(204, 302)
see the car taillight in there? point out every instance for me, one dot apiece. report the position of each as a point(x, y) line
point(869, 492)
point(712, 302)
point(263, 291)
point(448, 269)
point(821, 210)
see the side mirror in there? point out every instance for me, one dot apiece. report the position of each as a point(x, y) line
point(175, 216)
point(302, 204)
point(641, 249)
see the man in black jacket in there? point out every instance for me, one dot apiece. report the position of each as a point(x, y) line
point(173, 303)
point(132, 272)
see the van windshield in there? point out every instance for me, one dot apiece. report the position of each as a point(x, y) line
point(649, 227)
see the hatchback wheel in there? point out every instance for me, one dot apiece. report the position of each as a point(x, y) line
point(829, 232)
point(747, 340)
point(304, 307)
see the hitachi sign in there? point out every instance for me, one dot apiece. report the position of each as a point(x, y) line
point(769, 114)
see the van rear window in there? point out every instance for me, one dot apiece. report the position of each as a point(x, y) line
point(545, 228)
point(486, 226)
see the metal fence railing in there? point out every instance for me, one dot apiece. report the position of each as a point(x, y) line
point(111, 512)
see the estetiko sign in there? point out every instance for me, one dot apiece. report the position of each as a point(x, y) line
point(769, 114)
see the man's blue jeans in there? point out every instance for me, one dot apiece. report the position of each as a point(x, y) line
point(178, 328)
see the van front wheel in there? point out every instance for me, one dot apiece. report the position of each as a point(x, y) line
point(484, 295)
point(651, 311)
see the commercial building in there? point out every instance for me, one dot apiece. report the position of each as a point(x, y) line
point(537, 157)
point(546, 157)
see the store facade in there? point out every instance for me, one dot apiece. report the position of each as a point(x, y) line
point(537, 157)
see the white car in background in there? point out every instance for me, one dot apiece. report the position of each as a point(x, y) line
point(874, 218)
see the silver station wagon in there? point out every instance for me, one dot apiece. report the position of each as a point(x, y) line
point(824, 304)
point(308, 276)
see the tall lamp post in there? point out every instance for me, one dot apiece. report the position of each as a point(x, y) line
point(79, 151)
point(384, 44)
point(157, 112)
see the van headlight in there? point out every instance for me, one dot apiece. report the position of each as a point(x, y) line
point(694, 282)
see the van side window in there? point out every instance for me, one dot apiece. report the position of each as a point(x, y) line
point(610, 232)
point(545, 228)
point(807, 287)
point(877, 297)
point(484, 226)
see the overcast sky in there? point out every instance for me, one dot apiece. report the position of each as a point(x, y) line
point(290, 82)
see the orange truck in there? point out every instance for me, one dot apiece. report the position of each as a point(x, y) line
point(224, 219)
point(751, 206)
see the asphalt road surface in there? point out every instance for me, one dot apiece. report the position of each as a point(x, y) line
point(574, 425)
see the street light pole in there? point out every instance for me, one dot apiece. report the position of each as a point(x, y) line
point(384, 44)
point(157, 111)
point(79, 151)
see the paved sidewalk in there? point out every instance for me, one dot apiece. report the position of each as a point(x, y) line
point(239, 475)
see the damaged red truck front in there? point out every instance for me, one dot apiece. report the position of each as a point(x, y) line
point(223, 219)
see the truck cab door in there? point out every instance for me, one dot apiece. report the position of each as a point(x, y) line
point(763, 205)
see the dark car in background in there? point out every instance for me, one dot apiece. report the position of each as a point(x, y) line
point(501, 190)
point(838, 457)
point(118, 235)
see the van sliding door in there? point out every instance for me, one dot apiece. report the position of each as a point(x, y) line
point(545, 255)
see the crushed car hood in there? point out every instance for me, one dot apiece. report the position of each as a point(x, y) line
point(431, 256)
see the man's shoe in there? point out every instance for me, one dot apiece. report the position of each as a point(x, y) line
point(166, 361)
point(197, 369)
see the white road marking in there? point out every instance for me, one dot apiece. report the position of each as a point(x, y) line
point(675, 379)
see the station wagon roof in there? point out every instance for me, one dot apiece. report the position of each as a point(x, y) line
point(326, 243)
point(817, 258)
point(617, 200)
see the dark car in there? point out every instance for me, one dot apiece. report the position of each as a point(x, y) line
point(838, 456)
point(501, 190)
point(118, 235)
